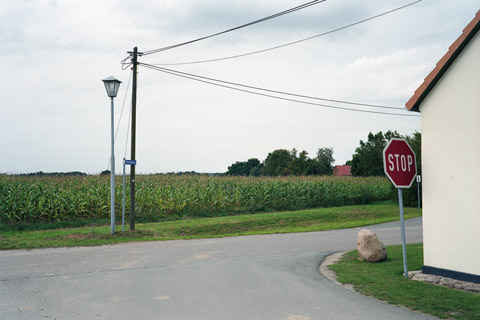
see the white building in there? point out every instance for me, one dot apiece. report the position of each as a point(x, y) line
point(449, 103)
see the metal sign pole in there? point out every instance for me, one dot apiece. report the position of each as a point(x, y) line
point(123, 209)
point(400, 167)
point(402, 226)
point(418, 189)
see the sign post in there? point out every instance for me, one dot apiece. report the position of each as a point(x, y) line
point(419, 200)
point(400, 167)
point(123, 207)
point(130, 163)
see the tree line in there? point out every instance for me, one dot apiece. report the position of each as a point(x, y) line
point(366, 161)
point(51, 174)
point(282, 162)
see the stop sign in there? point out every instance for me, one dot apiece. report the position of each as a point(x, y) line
point(399, 163)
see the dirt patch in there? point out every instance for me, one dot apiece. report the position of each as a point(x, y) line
point(102, 236)
point(77, 236)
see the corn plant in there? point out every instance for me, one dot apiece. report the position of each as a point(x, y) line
point(50, 198)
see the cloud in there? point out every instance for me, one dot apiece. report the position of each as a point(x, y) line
point(55, 54)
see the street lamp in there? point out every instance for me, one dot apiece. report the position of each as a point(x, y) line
point(112, 85)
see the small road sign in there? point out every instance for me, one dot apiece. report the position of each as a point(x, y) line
point(399, 163)
point(131, 162)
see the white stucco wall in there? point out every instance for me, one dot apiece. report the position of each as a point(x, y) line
point(451, 166)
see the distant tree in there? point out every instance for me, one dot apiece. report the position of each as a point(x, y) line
point(410, 196)
point(236, 169)
point(258, 170)
point(282, 162)
point(368, 160)
point(368, 157)
point(312, 168)
point(325, 161)
point(298, 165)
point(51, 174)
point(105, 172)
point(255, 167)
point(415, 141)
point(184, 173)
point(277, 162)
point(246, 168)
point(293, 153)
point(76, 173)
point(322, 164)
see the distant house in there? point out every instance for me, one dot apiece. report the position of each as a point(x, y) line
point(449, 103)
point(342, 171)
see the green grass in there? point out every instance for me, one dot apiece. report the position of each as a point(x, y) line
point(269, 223)
point(385, 281)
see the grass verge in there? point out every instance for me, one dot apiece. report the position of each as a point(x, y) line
point(385, 281)
point(269, 223)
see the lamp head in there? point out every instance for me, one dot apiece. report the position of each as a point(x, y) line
point(111, 85)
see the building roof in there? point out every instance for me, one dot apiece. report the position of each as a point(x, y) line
point(342, 171)
point(444, 63)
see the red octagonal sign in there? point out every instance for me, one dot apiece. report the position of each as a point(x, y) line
point(399, 163)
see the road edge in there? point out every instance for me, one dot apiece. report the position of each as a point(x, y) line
point(330, 274)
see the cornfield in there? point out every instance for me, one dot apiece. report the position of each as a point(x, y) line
point(33, 199)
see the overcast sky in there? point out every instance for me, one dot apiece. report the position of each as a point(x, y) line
point(56, 114)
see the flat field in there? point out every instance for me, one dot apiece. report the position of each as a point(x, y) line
point(164, 197)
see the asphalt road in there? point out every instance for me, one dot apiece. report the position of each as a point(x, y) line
point(250, 277)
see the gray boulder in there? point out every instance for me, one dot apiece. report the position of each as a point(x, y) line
point(369, 247)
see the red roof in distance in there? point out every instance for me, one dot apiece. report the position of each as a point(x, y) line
point(342, 171)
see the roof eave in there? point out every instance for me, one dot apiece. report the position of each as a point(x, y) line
point(413, 104)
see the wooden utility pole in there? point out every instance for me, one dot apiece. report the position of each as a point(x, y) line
point(134, 118)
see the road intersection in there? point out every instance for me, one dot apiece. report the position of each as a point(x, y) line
point(250, 277)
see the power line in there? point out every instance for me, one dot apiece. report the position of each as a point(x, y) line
point(128, 131)
point(123, 105)
point(279, 92)
point(300, 7)
point(192, 77)
point(290, 43)
point(124, 62)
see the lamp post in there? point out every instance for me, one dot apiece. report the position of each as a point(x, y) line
point(112, 85)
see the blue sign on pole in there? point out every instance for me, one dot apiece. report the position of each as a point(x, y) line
point(131, 162)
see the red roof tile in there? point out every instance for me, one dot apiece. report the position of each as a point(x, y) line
point(442, 65)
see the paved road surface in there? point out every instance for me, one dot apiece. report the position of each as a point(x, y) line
point(251, 277)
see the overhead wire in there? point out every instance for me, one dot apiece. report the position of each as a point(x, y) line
point(123, 105)
point(290, 43)
point(227, 85)
point(276, 15)
point(124, 63)
point(280, 92)
point(128, 131)
point(234, 86)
